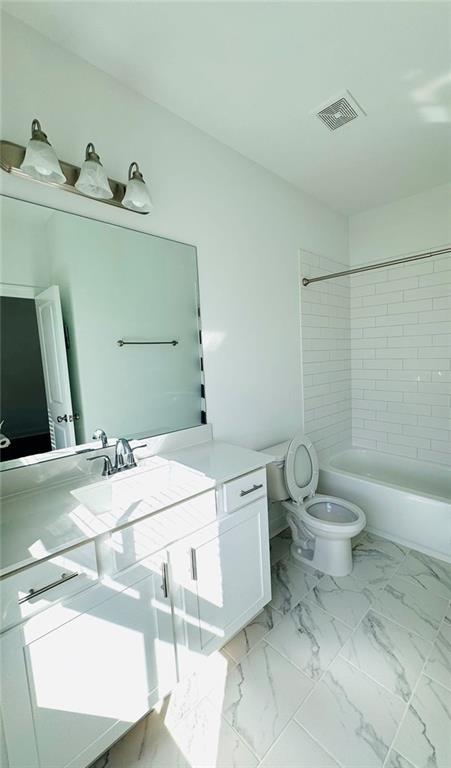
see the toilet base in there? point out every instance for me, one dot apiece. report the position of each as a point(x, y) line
point(331, 556)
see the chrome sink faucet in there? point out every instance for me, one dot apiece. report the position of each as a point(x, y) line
point(123, 458)
point(99, 434)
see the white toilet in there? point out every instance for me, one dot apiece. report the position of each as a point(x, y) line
point(322, 526)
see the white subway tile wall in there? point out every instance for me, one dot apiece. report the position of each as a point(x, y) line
point(326, 356)
point(401, 359)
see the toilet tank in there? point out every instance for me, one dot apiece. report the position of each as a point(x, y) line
point(277, 490)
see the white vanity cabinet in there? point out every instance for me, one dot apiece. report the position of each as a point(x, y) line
point(117, 622)
point(106, 661)
point(221, 574)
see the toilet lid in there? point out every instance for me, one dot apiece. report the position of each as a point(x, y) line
point(301, 468)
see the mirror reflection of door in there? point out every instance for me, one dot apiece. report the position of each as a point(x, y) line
point(54, 362)
point(34, 385)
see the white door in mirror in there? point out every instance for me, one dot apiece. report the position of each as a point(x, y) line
point(54, 364)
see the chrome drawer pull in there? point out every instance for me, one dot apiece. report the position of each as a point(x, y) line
point(193, 564)
point(36, 592)
point(251, 490)
point(164, 579)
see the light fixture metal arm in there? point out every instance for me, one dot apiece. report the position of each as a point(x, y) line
point(12, 155)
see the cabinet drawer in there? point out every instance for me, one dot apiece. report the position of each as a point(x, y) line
point(40, 586)
point(244, 489)
point(132, 544)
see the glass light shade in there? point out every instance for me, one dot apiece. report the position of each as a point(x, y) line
point(41, 163)
point(137, 197)
point(93, 181)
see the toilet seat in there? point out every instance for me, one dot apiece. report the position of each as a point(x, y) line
point(327, 515)
point(301, 468)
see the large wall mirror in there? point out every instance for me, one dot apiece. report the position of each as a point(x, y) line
point(99, 329)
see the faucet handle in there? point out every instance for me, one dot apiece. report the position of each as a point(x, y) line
point(130, 460)
point(124, 454)
point(108, 468)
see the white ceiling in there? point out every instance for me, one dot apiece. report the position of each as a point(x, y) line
point(250, 73)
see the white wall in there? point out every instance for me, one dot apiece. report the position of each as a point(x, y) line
point(23, 251)
point(248, 224)
point(326, 355)
point(407, 226)
point(401, 329)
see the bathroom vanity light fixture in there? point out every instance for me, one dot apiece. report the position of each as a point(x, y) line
point(39, 162)
point(137, 197)
point(93, 180)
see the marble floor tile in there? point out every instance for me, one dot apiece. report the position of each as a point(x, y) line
point(208, 741)
point(365, 636)
point(388, 653)
point(203, 739)
point(279, 547)
point(347, 598)
point(261, 695)
point(149, 743)
point(253, 633)
point(429, 573)
point(425, 734)
point(411, 606)
point(354, 718)
point(211, 674)
point(296, 749)
point(395, 760)
point(375, 560)
point(390, 548)
point(309, 637)
point(439, 664)
point(290, 582)
point(357, 539)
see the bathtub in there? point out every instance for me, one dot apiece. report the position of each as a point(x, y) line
point(405, 500)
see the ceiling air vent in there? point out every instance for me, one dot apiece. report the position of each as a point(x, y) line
point(341, 111)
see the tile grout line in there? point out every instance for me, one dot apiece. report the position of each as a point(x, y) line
point(443, 623)
point(260, 643)
point(305, 597)
point(391, 747)
point(300, 725)
point(339, 651)
point(414, 689)
point(223, 649)
point(338, 655)
point(432, 643)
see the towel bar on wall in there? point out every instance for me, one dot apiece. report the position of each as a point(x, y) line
point(122, 343)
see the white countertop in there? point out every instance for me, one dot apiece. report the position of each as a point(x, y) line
point(38, 523)
point(219, 461)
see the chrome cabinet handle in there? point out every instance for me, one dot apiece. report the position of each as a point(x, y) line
point(164, 579)
point(36, 592)
point(251, 490)
point(193, 564)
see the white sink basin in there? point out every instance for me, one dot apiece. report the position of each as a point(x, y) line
point(130, 489)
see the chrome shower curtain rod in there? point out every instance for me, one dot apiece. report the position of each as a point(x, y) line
point(426, 255)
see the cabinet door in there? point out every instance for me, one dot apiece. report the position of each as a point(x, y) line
point(18, 745)
point(223, 577)
point(95, 676)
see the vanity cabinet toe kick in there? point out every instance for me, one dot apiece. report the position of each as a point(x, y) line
point(95, 636)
